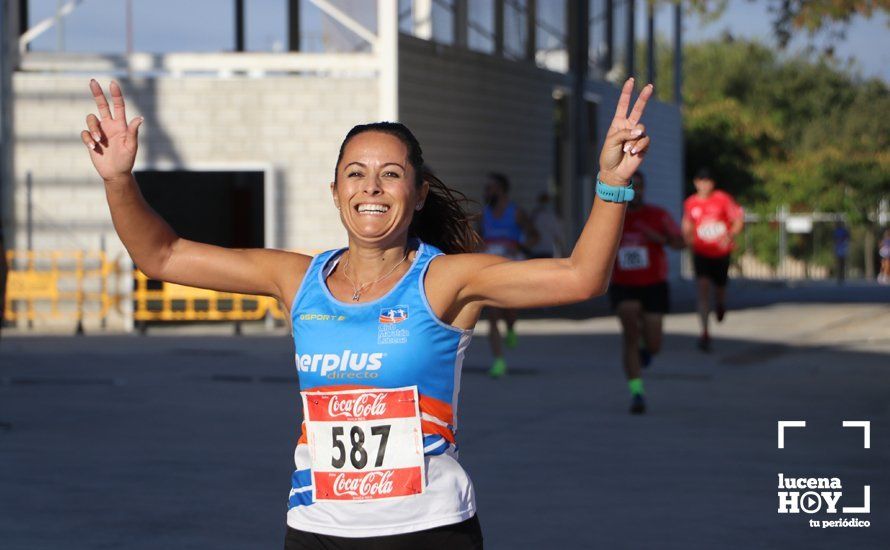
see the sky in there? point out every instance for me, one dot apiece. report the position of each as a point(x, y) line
point(206, 25)
point(867, 41)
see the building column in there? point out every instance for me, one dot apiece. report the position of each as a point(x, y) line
point(239, 25)
point(531, 29)
point(678, 53)
point(499, 28)
point(630, 58)
point(423, 19)
point(293, 25)
point(461, 23)
point(13, 22)
point(650, 43)
point(609, 57)
point(578, 14)
point(387, 52)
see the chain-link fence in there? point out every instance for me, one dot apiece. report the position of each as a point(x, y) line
point(808, 246)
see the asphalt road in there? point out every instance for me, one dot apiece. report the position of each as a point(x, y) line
point(186, 441)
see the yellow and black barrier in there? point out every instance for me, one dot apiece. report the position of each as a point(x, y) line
point(57, 285)
point(172, 302)
point(77, 285)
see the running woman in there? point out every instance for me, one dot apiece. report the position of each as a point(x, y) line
point(504, 225)
point(711, 221)
point(639, 291)
point(381, 326)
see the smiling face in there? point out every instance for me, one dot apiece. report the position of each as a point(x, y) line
point(376, 189)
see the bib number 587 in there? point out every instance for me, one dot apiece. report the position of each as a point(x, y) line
point(365, 444)
point(358, 456)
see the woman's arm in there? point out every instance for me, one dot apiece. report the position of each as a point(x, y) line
point(153, 245)
point(488, 280)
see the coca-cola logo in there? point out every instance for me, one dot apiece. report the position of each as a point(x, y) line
point(361, 406)
point(370, 485)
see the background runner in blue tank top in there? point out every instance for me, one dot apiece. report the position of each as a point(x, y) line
point(506, 230)
point(381, 325)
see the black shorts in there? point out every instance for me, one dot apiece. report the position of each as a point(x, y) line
point(715, 269)
point(466, 535)
point(655, 298)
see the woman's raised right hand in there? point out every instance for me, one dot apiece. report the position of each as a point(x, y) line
point(111, 141)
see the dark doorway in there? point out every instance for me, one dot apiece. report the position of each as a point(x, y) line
point(221, 208)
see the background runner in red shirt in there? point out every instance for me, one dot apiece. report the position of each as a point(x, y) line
point(711, 220)
point(639, 290)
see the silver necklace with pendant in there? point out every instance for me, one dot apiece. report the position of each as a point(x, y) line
point(358, 289)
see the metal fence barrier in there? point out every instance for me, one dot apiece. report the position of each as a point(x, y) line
point(76, 285)
point(800, 246)
point(57, 284)
point(172, 302)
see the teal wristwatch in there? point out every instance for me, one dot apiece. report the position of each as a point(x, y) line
point(614, 193)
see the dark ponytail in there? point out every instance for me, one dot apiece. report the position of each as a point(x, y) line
point(443, 221)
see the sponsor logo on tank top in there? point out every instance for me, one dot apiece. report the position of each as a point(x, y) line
point(360, 406)
point(321, 317)
point(346, 365)
point(389, 330)
point(371, 484)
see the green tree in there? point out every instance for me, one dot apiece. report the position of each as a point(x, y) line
point(799, 132)
point(814, 17)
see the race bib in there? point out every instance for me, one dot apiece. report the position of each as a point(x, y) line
point(364, 444)
point(711, 231)
point(631, 258)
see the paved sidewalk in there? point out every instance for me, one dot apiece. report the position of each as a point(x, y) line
point(185, 442)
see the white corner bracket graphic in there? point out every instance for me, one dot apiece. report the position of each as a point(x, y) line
point(866, 433)
point(866, 503)
point(788, 424)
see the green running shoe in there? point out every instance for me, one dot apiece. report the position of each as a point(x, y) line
point(498, 368)
point(511, 339)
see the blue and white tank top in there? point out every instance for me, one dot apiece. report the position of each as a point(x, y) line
point(501, 229)
point(391, 342)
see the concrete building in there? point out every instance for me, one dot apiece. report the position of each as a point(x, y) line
point(238, 147)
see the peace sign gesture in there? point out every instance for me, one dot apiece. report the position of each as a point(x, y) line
point(626, 143)
point(112, 142)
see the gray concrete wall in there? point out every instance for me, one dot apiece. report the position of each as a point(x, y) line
point(292, 124)
point(476, 113)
